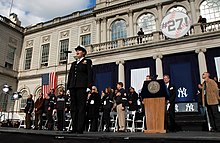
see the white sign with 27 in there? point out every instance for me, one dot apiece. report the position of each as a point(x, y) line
point(175, 24)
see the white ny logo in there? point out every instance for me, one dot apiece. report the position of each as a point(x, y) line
point(190, 107)
point(182, 92)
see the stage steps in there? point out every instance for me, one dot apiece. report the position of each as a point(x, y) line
point(191, 121)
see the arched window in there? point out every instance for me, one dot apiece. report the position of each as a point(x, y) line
point(147, 22)
point(210, 9)
point(24, 94)
point(177, 8)
point(37, 93)
point(119, 30)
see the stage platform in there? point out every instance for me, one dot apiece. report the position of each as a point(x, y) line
point(14, 135)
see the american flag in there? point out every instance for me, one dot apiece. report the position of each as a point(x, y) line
point(49, 81)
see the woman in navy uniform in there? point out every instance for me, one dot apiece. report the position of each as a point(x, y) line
point(107, 103)
point(79, 80)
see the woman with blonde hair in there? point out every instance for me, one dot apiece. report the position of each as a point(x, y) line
point(93, 109)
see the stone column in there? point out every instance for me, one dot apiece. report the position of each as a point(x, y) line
point(131, 27)
point(104, 30)
point(121, 71)
point(98, 30)
point(193, 11)
point(159, 66)
point(202, 61)
point(160, 16)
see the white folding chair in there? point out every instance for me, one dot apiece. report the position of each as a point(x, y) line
point(68, 121)
point(22, 122)
point(130, 117)
point(139, 124)
point(100, 121)
point(113, 121)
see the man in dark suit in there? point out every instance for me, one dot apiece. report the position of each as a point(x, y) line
point(79, 80)
point(171, 96)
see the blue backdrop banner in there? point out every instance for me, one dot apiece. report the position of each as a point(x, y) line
point(181, 77)
point(103, 80)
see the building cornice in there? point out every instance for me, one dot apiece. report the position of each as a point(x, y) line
point(9, 73)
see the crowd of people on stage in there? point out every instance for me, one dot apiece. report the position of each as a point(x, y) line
point(86, 103)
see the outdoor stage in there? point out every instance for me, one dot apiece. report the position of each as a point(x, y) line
point(14, 135)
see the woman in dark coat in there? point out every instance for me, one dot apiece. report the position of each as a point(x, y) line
point(93, 109)
point(107, 102)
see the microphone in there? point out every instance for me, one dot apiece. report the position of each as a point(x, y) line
point(67, 52)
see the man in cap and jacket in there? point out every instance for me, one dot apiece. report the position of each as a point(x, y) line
point(79, 80)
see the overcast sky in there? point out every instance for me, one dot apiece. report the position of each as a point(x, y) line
point(35, 11)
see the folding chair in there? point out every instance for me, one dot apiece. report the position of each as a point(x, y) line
point(68, 121)
point(113, 121)
point(100, 121)
point(139, 124)
point(130, 117)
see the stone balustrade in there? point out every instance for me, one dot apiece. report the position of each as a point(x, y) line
point(149, 38)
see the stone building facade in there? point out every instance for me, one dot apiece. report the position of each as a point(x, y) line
point(109, 32)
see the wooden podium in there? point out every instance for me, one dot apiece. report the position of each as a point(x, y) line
point(154, 97)
point(155, 114)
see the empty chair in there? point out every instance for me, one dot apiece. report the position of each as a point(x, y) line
point(139, 124)
point(113, 122)
point(130, 118)
point(100, 121)
point(68, 121)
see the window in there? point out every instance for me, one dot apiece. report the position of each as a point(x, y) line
point(37, 93)
point(147, 22)
point(86, 39)
point(28, 53)
point(24, 94)
point(10, 58)
point(64, 46)
point(3, 101)
point(119, 30)
point(177, 8)
point(45, 54)
point(210, 9)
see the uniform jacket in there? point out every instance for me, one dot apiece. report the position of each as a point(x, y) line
point(212, 93)
point(107, 101)
point(80, 75)
point(61, 102)
point(29, 106)
point(122, 99)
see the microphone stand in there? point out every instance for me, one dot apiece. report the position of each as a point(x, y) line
point(66, 52)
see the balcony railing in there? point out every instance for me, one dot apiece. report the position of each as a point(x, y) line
point(156, 36)
point(59, 19)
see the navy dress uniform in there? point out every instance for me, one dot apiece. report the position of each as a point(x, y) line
point(79, 79)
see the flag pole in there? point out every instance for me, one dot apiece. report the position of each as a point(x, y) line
point(12, 1)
